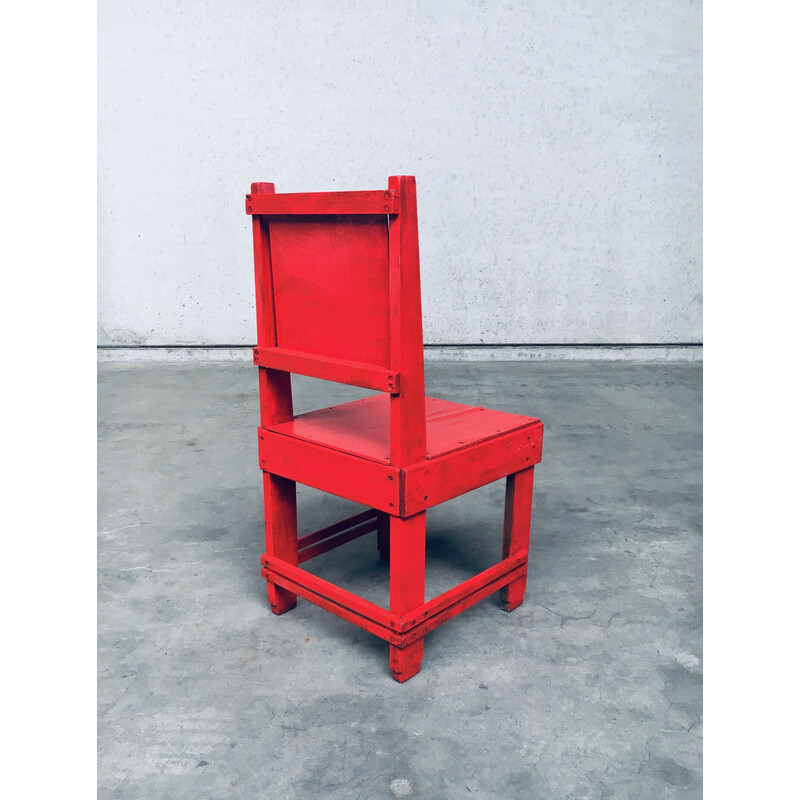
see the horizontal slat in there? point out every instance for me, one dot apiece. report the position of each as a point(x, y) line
point(378, 202)
point(404, 630)
point(333, 592)
point(457, 593)
point(437, 480)
point(329, 605)
point(357, 479)
point(282, 571)
point(337, 527)
point(462, 605)
point(335, 541)
point(352, 373)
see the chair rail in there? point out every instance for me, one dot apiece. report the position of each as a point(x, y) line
point(321, 203)
point(354, 373)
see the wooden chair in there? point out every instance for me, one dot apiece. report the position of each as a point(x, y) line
point(338, 298)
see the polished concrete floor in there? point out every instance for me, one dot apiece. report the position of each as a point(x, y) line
point(592, 689)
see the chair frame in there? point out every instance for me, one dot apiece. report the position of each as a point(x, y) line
point(398, 492)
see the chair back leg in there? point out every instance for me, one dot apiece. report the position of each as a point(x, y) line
point(383, 536)
point(280, 518)
point(517, 532)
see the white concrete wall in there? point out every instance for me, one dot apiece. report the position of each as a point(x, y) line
point(556, 145)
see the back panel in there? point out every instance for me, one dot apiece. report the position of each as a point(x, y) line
point(331, 285)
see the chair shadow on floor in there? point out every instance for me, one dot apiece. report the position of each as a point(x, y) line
point(463, 538)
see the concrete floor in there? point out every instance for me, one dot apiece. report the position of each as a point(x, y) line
point(592, 689)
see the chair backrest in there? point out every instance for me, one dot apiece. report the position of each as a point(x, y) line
point(338, 297)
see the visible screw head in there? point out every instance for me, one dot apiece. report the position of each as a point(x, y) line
point(386, 209)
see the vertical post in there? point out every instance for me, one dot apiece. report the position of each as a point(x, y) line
point(275, 399)
point(275, 386)
point(407, 409)
point(280, 534)
point(517, 532)
point(406, 416)
point(383, 536)
point(406, 587)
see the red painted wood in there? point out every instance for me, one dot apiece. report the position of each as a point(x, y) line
point(330, 369)
point(275, 396)
point(343, 611)
point(517, 532)
point(361, 427)
point(264, 309)
point(407, 417)
point(321, 203)
point(332, 592)
point(331, 287)
point(280, 516)
point(335, 541)
point(440, 479)
point(455, 595)
point(275, 400)
point(318, 536)
point(275, 388)
point(357, 479)
point(406, 587)
point(416, 633)
point(338, 298)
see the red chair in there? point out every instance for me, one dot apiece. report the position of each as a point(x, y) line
point(338, 298)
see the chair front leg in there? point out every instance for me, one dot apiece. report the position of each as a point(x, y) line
point(406, 587)
point(280, 517)
point(517, 532)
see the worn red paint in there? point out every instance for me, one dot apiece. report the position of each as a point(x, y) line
point(338, 298)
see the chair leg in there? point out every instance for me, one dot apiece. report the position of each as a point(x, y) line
point(406, 587)
point(517, 532)
point(383, 536)
point(280, 516)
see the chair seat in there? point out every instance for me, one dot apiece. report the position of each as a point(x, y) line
point(361, 427)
